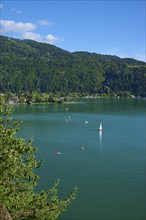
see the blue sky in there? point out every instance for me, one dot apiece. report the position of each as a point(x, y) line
point(104, 27)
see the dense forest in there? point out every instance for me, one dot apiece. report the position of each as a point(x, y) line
point(27, 66)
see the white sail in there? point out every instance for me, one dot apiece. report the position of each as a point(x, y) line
point(100, 127)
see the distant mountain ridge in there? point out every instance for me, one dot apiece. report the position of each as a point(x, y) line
point(27, 66)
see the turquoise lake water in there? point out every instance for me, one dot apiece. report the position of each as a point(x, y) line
point(109, 172)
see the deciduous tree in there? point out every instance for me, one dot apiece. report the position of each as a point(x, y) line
point(18, 199)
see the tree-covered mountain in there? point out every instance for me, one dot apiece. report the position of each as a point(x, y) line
point(27, 66)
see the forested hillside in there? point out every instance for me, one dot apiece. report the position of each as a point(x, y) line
point(27, 66)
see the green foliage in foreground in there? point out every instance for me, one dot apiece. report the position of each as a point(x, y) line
point(18, 199)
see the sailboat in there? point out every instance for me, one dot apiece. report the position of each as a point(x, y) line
point(100, 127)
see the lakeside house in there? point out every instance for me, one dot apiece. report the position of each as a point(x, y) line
point(13, 100)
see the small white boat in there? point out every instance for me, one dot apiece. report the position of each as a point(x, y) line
point(82, 148)
point(100, 127)
point(86, 122)
point(57, 153)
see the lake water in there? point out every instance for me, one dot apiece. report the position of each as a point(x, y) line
point(109, 172)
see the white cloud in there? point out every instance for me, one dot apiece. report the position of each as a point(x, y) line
point(51, 39)
point(1, 5)
point(44, 23)
point(17, 11)
point(31, 36)
point(9, 26)
point(25, 31)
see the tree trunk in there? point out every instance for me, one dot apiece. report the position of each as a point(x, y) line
point(5, 215)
